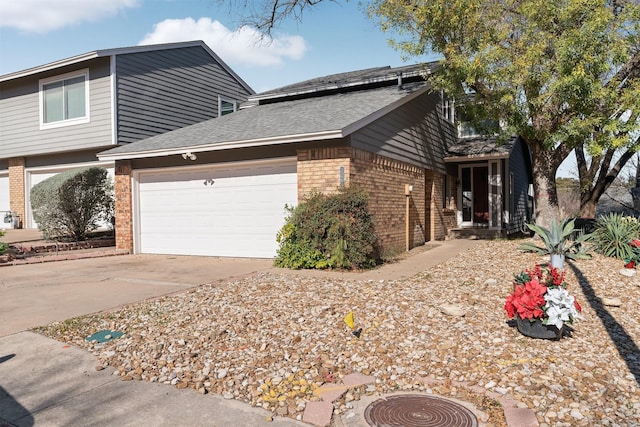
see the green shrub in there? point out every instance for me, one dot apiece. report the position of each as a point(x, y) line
point(613, 234)
point(329, 231)
point(73, 203)
point(3, 246)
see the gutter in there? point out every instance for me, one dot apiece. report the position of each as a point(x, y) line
point(219, 146)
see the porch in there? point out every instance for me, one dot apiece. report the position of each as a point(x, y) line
point(476, 233)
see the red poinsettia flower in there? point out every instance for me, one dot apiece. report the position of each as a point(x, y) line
point(557, 278)
point(527, 300)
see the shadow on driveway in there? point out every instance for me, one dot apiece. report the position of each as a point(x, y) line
point(12, 413)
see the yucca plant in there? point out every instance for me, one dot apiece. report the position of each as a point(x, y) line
point(613, 234)
point(557, 240)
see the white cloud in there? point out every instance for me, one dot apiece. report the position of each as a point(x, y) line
point(41, 16)
point(244, 46)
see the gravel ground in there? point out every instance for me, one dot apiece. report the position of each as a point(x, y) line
point(271, 339)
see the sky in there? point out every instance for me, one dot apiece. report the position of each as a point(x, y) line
point(332, 37)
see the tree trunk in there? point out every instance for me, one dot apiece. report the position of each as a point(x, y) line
point(588, 208)
point(592, 189)
point(544, 165)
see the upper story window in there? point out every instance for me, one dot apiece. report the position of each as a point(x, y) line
point(448, 108)
point(226, 106)
point(467, 128)
point(64, 100)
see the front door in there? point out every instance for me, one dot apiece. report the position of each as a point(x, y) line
point(480, 196)
point(474, 195)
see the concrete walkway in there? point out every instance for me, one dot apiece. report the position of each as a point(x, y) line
point(44, 382)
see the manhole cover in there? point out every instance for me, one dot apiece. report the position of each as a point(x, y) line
point(411, 410)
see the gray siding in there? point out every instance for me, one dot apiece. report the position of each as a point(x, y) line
point(414, 133)
point(20, 133)
point(519, 166)
point(75, 157)
point(160, 91)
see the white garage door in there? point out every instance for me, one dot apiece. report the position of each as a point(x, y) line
point(233, 210)
point(4, 200)
point(4, 192)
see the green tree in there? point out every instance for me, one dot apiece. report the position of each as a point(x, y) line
point(562, 74)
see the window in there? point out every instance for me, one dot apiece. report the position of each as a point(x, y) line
point(448, 108)
point(64, 100)
point(467, 127)
point(226, 106)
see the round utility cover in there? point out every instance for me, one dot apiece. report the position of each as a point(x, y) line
point(413, 410)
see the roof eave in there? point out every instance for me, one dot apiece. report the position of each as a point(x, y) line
point(50, 66)
point(123, 51)
point(472, 157)
point(219, 146)
point(391, 77)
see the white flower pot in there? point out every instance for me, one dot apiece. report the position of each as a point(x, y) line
point(557, 261)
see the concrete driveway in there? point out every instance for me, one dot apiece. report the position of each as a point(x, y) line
point(37, 294)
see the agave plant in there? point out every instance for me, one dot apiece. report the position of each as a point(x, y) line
point(557, 240)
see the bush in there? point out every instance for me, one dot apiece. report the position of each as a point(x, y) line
point(613, 234)
point(329, 231)
point(3, 246)
point(73, 203)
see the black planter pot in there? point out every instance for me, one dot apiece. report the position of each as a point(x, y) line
point(536, 329)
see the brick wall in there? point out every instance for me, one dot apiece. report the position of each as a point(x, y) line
point(438, 229)
point(17, 187)
point(385, 180)
point(320, 169)
point(123, 206)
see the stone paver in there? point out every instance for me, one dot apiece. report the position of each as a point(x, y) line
point(357, 379)
point(318, 413)
point(330, 392)
point(520, 417)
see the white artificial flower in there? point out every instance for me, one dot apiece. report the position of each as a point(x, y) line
point(560, 307)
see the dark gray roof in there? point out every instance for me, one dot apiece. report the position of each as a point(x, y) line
point(486, 146)
point(324, 117)
point(371, 77)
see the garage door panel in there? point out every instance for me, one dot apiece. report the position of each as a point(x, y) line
point(215, 212)
point(4, 193)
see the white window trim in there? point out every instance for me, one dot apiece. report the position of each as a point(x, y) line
point(69, 122)
point(225, 99)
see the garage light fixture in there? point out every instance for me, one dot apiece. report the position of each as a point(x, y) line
point(189, 155)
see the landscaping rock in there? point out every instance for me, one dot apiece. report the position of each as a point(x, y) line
point(452, 310)
point(243, 340)
point(612, 302)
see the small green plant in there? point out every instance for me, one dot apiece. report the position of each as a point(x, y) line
point(613, 234)
point(329, 231)
point(73, 203)
point(3, 246)
point(557, 240)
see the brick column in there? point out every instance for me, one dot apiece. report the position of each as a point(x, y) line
point(17, 187)
point(123, 206)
